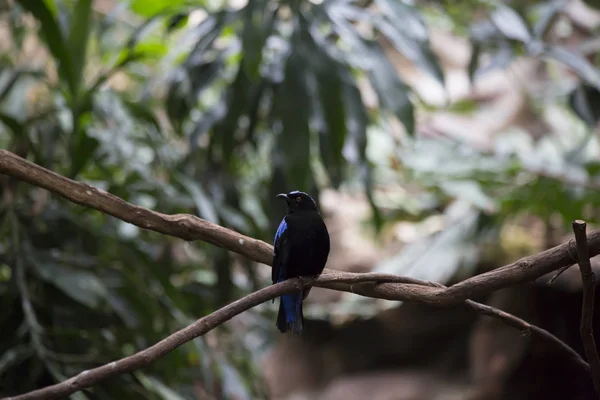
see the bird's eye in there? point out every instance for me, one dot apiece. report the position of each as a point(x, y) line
point(298, 199)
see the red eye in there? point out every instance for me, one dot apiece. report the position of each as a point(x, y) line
point(298, 199)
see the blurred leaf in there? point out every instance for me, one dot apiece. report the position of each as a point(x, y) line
point(13, 124)
point(156, 386)
point(146, 8)
point(510, 23)
point(177, 21)
point(576, 62)
point(469, 191)
point(391, 91)
point(84, 148)
point(142, 112)
point(474, 60)
point(292, 104)
point(547, 13)
point(82, 286)
point(593, 3)
point(357, 119)
point(140, 32)
point(404, 27)
point(585, 102)
point(501, 57)
point(208, 120)
point(258, 25)
point(53, 36)
point(226, 129)
point(331, 97)
point(233, 384)
point(81, 25)
point(14, 76)
point(438, 257)
point(185, 87)
point(14, 356)
point(204, 204)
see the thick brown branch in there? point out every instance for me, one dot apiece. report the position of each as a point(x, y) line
point(88, 378)
point(189, 227)
point(586, 330)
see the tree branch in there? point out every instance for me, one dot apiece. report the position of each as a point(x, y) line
point(586, 329)
point(88, 378)
point(190, 227)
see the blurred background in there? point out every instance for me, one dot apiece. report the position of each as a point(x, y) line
point(442, 139)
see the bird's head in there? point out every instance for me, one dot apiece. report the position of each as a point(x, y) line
point(297, 201)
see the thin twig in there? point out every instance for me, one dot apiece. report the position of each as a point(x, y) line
point(586, 329)
point(528, 328)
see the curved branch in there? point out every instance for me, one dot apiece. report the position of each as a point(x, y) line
point(88, 378)
point(190, 227)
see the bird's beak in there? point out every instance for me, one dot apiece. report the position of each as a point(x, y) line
point(283, 196)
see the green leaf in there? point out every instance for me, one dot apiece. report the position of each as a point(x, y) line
point(292, 105)
point(186, 85)
point(333, 137)
point(81, 25)
point(12, 123)
point(357, 120)
point(177, 21)
point(391, 91)
point(237, 102)
point(84, 148)
point(258, 25)
point(80, 285)
point(208, 120)
point(147, 8)
point(53, 37)
point(403, 25)
point(205, 206)
point(141, 111)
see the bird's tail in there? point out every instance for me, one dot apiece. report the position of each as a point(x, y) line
point(290, 315)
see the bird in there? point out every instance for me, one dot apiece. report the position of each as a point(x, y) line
point(301, 249)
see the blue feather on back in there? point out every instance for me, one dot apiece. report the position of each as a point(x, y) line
point(281, 229)
point(291, 302)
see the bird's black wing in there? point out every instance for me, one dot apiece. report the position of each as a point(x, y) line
point(322, 247)
point(282, 249)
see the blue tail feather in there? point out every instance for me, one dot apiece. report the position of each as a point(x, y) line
point(290, 313)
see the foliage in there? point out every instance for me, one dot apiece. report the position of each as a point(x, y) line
point(189, 106)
